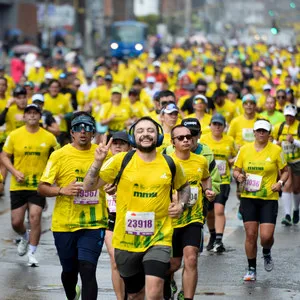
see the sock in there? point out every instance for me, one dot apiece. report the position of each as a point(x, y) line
point(266, 252)
point(287, 202)
point(212, 233)
point(219, 237)
point(252, 263)
point(32, 249)
point(296, 201)
point(25, 236)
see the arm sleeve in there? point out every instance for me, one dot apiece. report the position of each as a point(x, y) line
point(3, 116)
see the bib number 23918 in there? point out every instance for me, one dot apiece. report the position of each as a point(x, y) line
point(140, 223)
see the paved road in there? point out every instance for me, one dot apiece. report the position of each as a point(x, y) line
point(220, 276)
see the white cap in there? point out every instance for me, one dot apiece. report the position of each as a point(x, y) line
point(151, 79)
point(38, 97)
point(37, 64)
point(278, 72)
point(290, 110)
point(170, 108)
point(262, 124)
point(48, 76)
point(156, 63)
point(267, 87)
point(202, 97)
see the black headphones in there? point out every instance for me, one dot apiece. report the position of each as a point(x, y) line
point(160, 132)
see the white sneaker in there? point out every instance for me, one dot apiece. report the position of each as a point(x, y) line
point(22, 247)
point(32, 261)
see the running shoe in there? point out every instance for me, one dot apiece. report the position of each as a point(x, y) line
point(32, 261)
point(287, 220)
point(250, 275)
point(296, 217)
point(219, 247)
point(22, 247)
point(173, 287)
point(180, 295)
point(78, 292)
point(268, 262)
point(210, 245)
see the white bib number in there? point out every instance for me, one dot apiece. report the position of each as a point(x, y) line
point(111, 202)
point(253, 183)
point(87, 197)
point(140, 223)
point(221, 164)
point(288, 147)
point(194, 195)
point(248, 134)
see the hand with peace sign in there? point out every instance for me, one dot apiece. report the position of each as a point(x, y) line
point(102, 150)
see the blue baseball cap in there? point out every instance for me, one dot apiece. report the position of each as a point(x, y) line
point(249, 97)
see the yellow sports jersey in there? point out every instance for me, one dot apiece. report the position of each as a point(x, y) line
point(10, 84)
point(204, 122)
point(257, 85)
point(80, 99)
point(146, 100)
point(3, 103)
point(195, 169)
point(143, 198)
point(227, 110)
point(59, 105)
point(121, 114)
point(241, 129)
point(31, 152)
point(291, 152)
point(88, 209)
point(14, 118)
point(37, 76)
point(261, 169)
point(103, 94)
point(223, 150)
point(166, 142)
point(235, 72)
point(239, 109)
point(139, 109)
point(155, 116)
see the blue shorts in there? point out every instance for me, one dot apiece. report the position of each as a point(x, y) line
point(84, 244)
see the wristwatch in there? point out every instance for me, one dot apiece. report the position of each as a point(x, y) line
point(281, 182)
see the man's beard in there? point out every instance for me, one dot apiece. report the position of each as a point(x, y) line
point(146, 149)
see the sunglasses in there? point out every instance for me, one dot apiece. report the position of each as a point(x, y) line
point(182, 137)
point(280, 97)
point(165, 103)
point(198, 101)
point(85, 127)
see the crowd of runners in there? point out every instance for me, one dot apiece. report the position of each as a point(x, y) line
point(141, 155)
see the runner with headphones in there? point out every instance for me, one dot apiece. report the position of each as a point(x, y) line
point(79, 217)
point(143, 229)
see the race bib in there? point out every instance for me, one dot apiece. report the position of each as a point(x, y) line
point(221, 164)
point(140, 223)
point(57, 119)
point(288, 147)
point(253, 183)
point(87, 197)
point(248, 134)
point(111, 202)
point(194, 195)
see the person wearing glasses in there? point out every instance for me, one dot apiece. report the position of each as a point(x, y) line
point(186, 242)
point(200, 103)
point(165, 98)
point(256, 167)
point(281, 100)
point(224, 150)
point(80, 217)
point(286, 134)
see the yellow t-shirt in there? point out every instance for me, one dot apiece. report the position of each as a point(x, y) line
point(122, 113)
point(57, 106)
point(266, 164)
point(241, 129)
point(37, 76)
point(166, 142)
point(31, 152)
point(195, 169)
point(63, 167)
point(14, 118)
point(257, 85)
point(143, 187)
point(139, 109)
point(227, 110)
point(291, 152)
point(223, 150)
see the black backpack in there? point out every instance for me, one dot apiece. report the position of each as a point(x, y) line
point(127, 159)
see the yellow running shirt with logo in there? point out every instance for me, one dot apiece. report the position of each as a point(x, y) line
point(195, 169)
point(261, 169)
point(143, 198)
point(14, 118)
point(223, 150)
point(291, 152)
point(87, 210)
point(31, 152)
